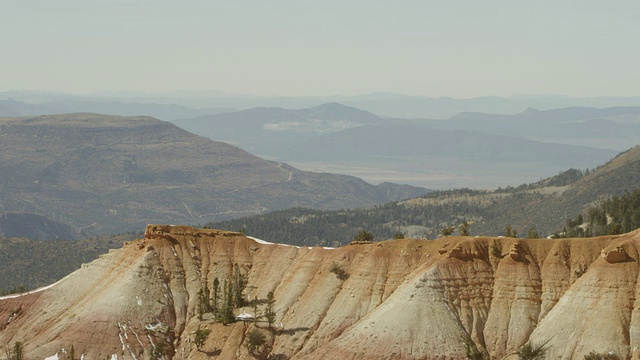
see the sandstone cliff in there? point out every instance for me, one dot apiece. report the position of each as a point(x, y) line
point(403, 299)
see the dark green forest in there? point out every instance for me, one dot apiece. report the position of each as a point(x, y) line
point(542, 207)
point(27, 264)
point(616, 215)
point(423, 217)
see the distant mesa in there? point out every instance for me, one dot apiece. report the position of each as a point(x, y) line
point(111, 174)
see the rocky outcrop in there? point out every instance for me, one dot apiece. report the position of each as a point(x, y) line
point(616, 255)
point(401, 299)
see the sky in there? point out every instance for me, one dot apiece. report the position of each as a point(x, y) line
point(462, 49)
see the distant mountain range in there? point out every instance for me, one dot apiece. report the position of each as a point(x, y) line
point(461, 151)
point(543, 206)
point(479, 138)
point(11, 107)
point(105, 174)
point(609, 128)
point(384, 104)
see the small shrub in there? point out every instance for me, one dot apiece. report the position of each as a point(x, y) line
point(399, 235)
point(464, 229)
point(530, 351)
point(255, 342)
point(447, 230)
point(339, 271)
point(472, 351)
point(601, 356)
point(200, 336)
point(592, 356)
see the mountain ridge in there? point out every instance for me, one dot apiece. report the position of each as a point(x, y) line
point(109, 174)
point(435, 154)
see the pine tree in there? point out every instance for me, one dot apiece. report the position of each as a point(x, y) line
point(200, 304)
point(227, 316)
point(254, 305)
point(464, 229)
point(269, 312)
point(216, 297)
point(239, 285)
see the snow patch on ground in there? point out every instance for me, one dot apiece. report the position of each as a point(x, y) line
point(54, 357)
point(174, 251)
point(13, 296)
point(154, 327)
point(244, 316)
point(259, 241)
point(262, 241)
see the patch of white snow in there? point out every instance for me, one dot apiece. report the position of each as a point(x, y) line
point(260, 241)
point(244, 316)
point(34, 291)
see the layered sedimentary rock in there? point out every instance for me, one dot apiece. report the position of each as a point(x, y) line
point(399, 299)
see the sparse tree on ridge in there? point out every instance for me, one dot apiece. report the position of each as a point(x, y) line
point(363, 235)
point(447, 230)
point(464, 229)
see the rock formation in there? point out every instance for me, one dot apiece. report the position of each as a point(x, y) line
point(402, 299)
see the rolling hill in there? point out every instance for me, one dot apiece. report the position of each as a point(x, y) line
point(108, 174)
point(33, 226)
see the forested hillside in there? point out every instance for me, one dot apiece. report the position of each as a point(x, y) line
point(107, 174)
point(542, 207)
point(27, 264)
point(617, 215)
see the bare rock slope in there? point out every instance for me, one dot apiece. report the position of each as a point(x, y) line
point(402, 299)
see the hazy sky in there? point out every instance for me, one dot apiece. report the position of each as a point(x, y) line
point(297, 47)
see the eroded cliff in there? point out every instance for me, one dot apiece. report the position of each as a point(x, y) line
point(402, 299)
